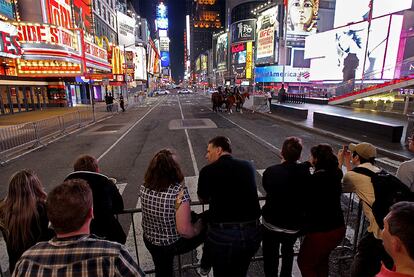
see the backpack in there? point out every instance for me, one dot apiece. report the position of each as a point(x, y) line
point(388, 190)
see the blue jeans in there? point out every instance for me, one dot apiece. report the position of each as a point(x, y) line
point(231, 249)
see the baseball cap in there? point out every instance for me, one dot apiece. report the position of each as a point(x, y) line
point(364, 149)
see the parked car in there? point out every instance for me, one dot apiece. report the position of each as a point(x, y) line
point(161, 92)
point(185, 91)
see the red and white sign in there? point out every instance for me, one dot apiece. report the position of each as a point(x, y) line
point(96, 51)
point(9, 44)
point(46, 34)
point(59, 13)
point(238, 48)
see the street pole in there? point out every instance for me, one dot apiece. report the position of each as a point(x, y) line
point(91, 96)
point(371, 3)
point(284, 42)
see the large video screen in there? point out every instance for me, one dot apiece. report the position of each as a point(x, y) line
point(302, 16)
point(348, 11)
point(344, 50)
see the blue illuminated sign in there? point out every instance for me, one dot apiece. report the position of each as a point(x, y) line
point(274, 74)
point(6, 8)
point(165, 59)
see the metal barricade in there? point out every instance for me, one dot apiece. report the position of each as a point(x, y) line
point(354, 220)
point(33, 134)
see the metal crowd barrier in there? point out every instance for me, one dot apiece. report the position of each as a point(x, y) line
point(354, 220)
point(32, 134)
point(298, 98)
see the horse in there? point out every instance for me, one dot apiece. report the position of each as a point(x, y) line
point(238, 100)
point(217, 99)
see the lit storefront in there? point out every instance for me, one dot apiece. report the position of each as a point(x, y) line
point(16, 95)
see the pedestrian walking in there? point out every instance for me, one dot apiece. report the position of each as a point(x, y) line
point(282, 94)
point(121, 103)
point(233, 234)
point(108, 108)
point(269, 100)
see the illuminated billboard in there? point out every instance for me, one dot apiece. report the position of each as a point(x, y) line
point(82, 12)
point(274, 74)
point(302, 16)
point(165, 59)
point(265, 39)
point(140, 62)
point(126, 29)
point(348, 11)
point(243, 30)
point(59, 13)
point(330, 61)
point(221, 52)
point(6, 8)
point(161, 17)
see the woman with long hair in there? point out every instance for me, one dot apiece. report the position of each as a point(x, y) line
point(166, 215)
point(23, 216)
point(325, 226)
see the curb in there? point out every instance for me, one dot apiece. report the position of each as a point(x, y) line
point(319, 131)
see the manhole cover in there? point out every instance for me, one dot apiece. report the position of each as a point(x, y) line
point(201, 123)
point(109, 128)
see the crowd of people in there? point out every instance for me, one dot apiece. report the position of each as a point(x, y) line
point(73, 230)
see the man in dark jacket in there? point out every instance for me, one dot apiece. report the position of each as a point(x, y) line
point(229, 186)
point(283, 212)
point(107, 201)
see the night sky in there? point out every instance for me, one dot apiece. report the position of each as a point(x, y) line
point(176, 14)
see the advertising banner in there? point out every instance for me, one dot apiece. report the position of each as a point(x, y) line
point(265, 43)
point(274, 74)
point(165, 59)
point(221, 52)
point(164, 44)
point(140, 62)
point(60, 13)
point(302, 16)
point(243, 30)
point(96, 52)
point(203, 62)
point(82, 13)
point(126, 29)
point(6, 8)
point(238, 60)
point(162, 17)
point(9, 41)
point(46, 34)
point(249, 60)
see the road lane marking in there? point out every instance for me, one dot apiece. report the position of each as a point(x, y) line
point(253, 135)
point(190, 146)
point(127, 132)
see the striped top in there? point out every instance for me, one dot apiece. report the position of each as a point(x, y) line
point(83, 256)
point(158, 214)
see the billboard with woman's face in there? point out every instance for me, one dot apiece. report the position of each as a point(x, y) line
point(302, 16)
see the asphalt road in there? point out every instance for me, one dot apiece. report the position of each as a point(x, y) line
point(126, 142)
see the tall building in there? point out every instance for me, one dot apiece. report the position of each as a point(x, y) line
point(206, 18)
point(104, 19)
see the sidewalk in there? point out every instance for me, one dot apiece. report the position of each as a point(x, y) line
point(396, 150)
point(24, 117)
